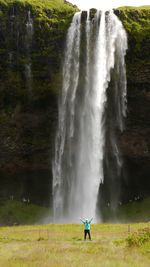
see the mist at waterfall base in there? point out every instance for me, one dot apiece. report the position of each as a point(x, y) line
point(92, 107)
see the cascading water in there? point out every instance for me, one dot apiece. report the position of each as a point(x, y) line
point(66, 115)
point(93, 50)
point(115, 112)
point(28, 43)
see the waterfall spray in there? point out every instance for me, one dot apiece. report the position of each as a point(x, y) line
point(79, 150)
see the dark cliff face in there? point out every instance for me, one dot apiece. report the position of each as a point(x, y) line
point(31, 50)
point(135, 141)
point(32, 38)
point(133, 182)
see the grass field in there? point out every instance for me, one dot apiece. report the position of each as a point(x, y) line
point(63, 246)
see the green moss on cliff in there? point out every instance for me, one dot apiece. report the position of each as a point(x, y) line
point(52, 12)
point(41, 4)
point(21, 52)
point(136, 21)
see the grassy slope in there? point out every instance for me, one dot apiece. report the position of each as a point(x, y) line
point(135, 211)
point(15, 212)
point(62, 246)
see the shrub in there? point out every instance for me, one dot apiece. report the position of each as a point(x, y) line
point(139, 238)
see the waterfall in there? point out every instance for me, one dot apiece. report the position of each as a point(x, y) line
point(114, 119)
point(29, 26)
point(28, 43)
point(93, 50)
point(66, 114)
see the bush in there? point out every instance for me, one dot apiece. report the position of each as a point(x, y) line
point(139, 238)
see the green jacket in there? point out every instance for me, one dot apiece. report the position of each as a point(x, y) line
point(87, 224)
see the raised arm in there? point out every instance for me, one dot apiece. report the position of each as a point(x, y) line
point(82, 221)
point(90, 220)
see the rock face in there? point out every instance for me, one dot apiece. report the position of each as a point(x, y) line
point(135, 141)
point(31, 51)
point(32, 36)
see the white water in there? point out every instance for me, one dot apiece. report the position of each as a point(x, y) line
point(79, 150)
point(29, 27)
point(70, 83)
point(28, 43)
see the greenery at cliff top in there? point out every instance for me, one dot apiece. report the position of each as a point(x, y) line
point(133, 7)
point(51, 20)
point(136, 21)
point(40, 4)
point(41, 7)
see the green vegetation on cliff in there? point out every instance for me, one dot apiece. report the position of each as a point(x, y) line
point(136, 21)
point(22, 52)
point(55, 13)
point(59, 5)
point(51, 20)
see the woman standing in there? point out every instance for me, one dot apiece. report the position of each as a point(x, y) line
point(87, 226)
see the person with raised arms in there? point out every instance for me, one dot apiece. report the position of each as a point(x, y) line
point(87, 227)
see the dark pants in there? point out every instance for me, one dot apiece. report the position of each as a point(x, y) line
point(85, 234)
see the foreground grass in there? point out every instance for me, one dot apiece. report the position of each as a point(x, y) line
point(63, 246)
